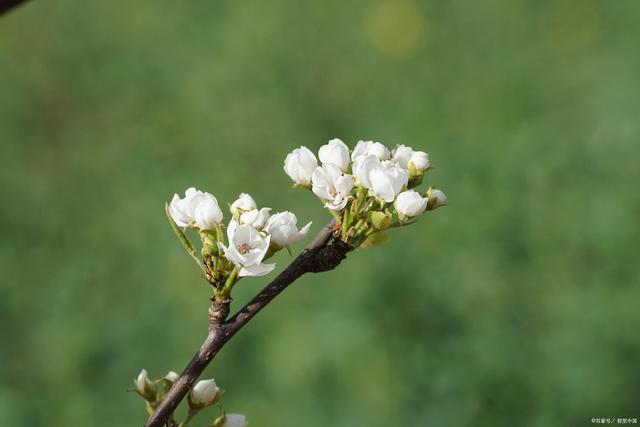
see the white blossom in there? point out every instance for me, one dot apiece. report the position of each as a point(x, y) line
point(244, 203)
point(256, 218)
point(183, 210)
point(204, 393)
point(335, 153)
point(401, 154)
point(384, 179)
point(283, 229)
point(365, 148)
point(420, 161)
point(300, 164)
point(332, 185)
point(235, 420)
point(410, 203)
point(247, 248)
point(207, 213)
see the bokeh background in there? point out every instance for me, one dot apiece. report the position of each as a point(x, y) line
point(515, 305)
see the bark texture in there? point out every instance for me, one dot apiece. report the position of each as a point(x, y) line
point(323, 254)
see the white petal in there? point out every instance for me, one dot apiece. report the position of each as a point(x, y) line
point(256, 270)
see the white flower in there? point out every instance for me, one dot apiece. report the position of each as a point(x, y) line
point(335, 153)
point(420, 161)
point(235, 420)
point(256, 218)
point(207, 212)
point(300, 164)
point(401, 154)
point(204, 393)
point(247, 248)
point(283, 229)
point(384, 179)
point(143, 385)
point(365, 148)
point(244, 203)
point(410, 203)
point(183, 210)
point(172, 377)
point(436, 197)
point(330, 184)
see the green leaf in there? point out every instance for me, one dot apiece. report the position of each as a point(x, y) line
point(375, 239)
point(380, 220)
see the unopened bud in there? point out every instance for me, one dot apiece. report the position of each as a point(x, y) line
point(231, 420)
point(204, 393)
point(436, 197)
point(144, 386)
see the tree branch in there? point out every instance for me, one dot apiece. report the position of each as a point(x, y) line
point(6, 5)
point(322, 254)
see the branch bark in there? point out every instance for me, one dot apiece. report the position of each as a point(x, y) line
point(6, 5)
point(322, 254)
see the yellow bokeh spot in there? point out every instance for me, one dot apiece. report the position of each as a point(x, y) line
point(396, 27)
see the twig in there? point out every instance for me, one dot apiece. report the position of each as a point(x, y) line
point(7, 5)
point(322, 254)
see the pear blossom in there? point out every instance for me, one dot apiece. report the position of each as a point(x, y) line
point(244, 203)
point(336, 153)
point(182, 210)
point(283, 229)
point(365, 148)
point(204, 393)
point(300, 164)
point(256, 218)
point(437, 198)
point(207, 213)
point(247, 248)
point(410, 203)
point(384, 179)
point(401, 154)
point(332, 185)
point(234, 420)
point(420, 161)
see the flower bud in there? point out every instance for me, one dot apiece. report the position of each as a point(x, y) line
point(420, 161)
point(436, 198)
point(401, 154)
point(299, 165)
point(144, 386)
point(207, 213)
point(172, 377)
point(284, 230)
point(365, 148)
point(244, 203)
point(204, 393)
point(410, 203)
point(231, 420)
point(336, 153)
point(256, 218)
point(380, 220)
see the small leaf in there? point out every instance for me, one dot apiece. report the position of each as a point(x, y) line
point(375, 239)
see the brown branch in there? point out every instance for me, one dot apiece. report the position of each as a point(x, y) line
point(6, 5)
point(322, 254)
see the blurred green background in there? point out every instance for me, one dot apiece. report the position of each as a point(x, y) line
point(515, 305)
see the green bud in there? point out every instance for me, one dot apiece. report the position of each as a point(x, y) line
point(380, 220)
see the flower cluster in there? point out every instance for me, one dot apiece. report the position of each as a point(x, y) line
point(253, 235)
point(203, 394)
point(368, 189)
